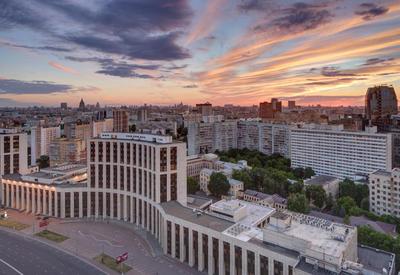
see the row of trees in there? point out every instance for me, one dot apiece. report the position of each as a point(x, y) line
point(260, 160)
point(352, 198)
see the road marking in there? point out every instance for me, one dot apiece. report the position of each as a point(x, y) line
point(10, 266)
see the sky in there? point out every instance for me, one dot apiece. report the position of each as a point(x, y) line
point(242, 52)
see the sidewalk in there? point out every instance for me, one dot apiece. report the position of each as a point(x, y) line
point(88, 239)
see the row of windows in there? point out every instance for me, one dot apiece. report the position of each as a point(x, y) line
point(131, 153)
point(203, 239)
point(132, 180)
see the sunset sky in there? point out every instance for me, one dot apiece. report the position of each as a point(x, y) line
point(223, 51)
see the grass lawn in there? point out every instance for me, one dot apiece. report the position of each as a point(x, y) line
point(12, 224)
point(52, 236)
point(111, 263)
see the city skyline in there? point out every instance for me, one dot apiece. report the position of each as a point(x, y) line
point(239, 52)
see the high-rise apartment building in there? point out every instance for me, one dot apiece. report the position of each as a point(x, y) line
point(141, 179)
point(41, 137)
point(120, 121)
point(267, 138)
point(291, 104)
point(209, 137)
point(268, 110)
point(205, 109)
point(334, 152)
point(380, 102)
point(142, 114)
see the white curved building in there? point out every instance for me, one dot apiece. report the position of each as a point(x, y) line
point(141, 179)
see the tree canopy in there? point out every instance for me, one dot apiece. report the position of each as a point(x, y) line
point(347, 188)
point(316, 194)
point(192, 185)
point(43, 161)
point(298, 202)
point(219, 184)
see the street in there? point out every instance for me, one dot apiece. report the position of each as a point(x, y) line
point(23, 255)
point(88, 239)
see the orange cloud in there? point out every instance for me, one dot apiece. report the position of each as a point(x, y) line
point(62, 68)
point(243, 75)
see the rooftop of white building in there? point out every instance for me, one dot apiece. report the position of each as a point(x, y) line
point(6, 131)
point(162, 139)
point(319, 235)
point(56, 175)
point(381, 172)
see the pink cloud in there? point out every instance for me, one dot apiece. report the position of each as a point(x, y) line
point(62, 68)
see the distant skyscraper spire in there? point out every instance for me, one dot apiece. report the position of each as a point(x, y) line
point(81, 105)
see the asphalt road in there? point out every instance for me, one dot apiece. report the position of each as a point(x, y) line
point(20, 255)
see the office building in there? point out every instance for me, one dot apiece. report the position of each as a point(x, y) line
point(13, 153)
point(329, 150)
point(67, 150)
point(209, 137)
point(384, 192)
point(41, 137)
point(141, 179)
point(380, 102)
point(120, 121)
point(267, 138)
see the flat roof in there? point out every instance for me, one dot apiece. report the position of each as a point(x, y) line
point(175, 209)
point(162, 139)
point(375, 260)
point(381, 172)
point(320, 180)
point(310, 269)
point(194, 201)
point(322, 235)
point(276, 248)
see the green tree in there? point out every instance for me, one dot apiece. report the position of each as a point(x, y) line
point(296, 187)
point(243, 176)
point(308, 172)
point(192, 185)
point(347, 203)
point(298, 203)
point(356, 191)
point(298, 172)
point(365, 204)
point(316, 194)
point(132, 128)
point(218, 185)
point(330, 202)
point(43, 161)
